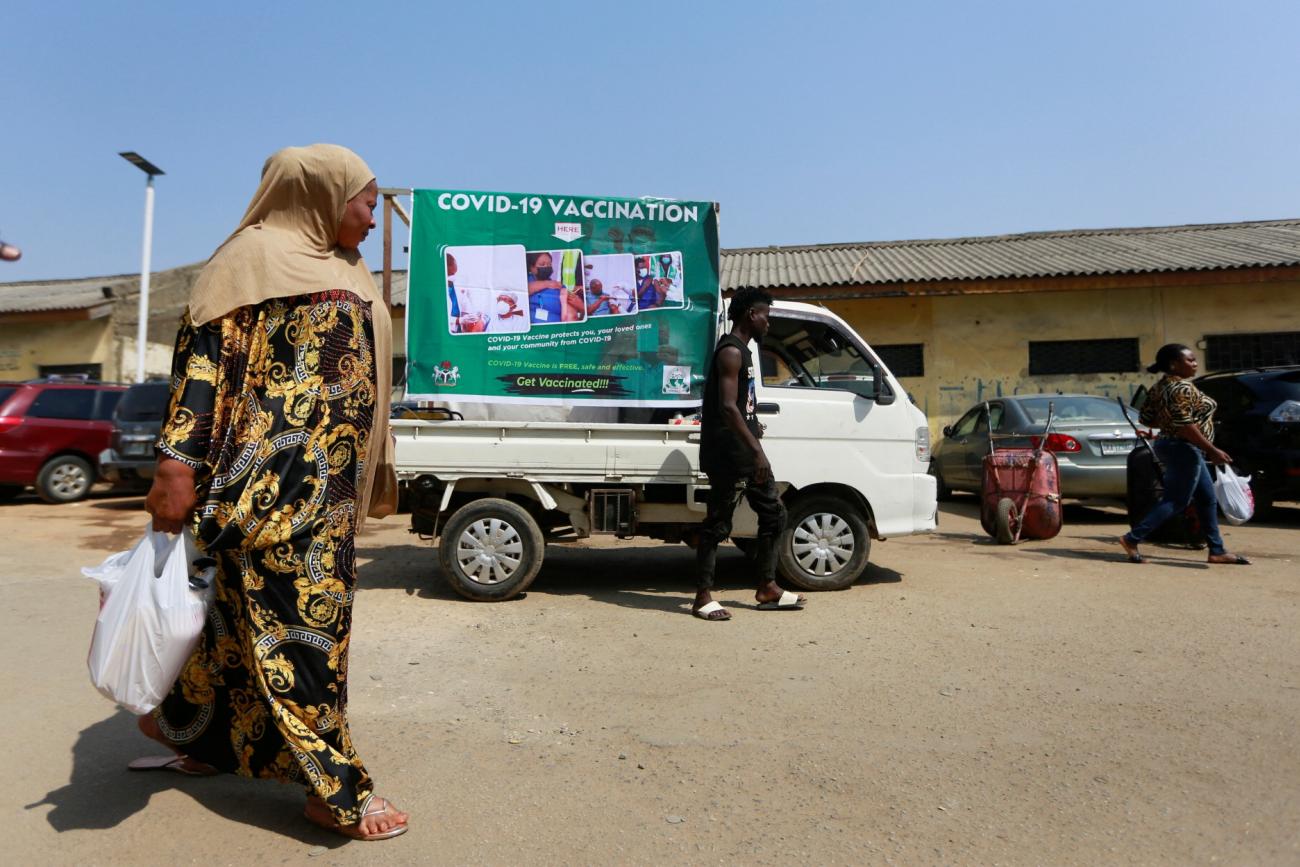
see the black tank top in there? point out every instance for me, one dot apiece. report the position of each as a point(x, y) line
point(721, 451)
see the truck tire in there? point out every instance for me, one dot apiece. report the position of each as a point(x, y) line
point(825, 544)
point(490, 550)
point(64, 479)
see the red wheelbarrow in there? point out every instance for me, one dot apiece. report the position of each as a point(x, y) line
point(1020, 496)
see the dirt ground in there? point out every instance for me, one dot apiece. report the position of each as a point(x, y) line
point(966, 703)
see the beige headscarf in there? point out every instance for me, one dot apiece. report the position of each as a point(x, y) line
point(286, 245)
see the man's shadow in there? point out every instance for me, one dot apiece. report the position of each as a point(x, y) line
point(102, 793)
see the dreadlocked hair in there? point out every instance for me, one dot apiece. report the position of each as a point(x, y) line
point(744, 299)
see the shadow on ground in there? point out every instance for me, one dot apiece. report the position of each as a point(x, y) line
point(649, 577)
point(102, 793)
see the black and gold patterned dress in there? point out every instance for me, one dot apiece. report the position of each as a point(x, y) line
point(272, 406)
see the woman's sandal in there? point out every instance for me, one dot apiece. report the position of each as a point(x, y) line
point(354, 831)
point(178, 763)
point(1131, 551)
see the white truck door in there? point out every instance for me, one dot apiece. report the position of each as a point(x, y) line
point(815, 396)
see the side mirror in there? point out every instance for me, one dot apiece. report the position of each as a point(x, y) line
point(947, 430)
point(1139, 398)
point(882, 393)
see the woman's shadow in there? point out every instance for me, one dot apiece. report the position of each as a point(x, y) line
point(102, 793)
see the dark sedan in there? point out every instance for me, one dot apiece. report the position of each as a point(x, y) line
point(1258, 423)
point(1090, 437)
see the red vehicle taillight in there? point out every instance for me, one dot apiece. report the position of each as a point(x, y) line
point(9, 423)
point(1058, 442)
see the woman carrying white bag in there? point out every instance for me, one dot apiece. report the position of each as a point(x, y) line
point(1184, 416)
point(275, 448)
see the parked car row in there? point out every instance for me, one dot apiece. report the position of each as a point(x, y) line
point(61, 435)
point(1257, 422)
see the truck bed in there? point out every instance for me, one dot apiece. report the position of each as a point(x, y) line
point(544, 452)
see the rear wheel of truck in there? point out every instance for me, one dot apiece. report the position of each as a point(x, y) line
point(825, 544)
point(491, 550)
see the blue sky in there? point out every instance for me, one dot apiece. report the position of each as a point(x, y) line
point(810, 122)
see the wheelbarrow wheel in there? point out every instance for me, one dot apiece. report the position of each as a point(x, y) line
point(1008, 521)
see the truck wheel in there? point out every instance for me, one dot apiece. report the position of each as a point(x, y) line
point(490, 550)
point(64, 479)
point(825, 544)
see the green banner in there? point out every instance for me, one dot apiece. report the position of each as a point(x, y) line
point(526, 298)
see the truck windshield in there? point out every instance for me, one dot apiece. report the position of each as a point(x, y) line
point(799, 353)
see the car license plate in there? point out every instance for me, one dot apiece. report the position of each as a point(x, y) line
point(134, 449)
point(1118, 447)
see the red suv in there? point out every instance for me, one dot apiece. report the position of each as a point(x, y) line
point(51, 434)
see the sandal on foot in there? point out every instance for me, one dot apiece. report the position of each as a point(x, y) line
point(179, 764)
point(354, 831)
point(1131, 551)
point(712, 611)
point(788, 602)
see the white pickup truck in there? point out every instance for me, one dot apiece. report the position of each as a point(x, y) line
point(849, 451)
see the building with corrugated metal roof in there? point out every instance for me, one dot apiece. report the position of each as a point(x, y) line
point(963, 319)
point(87, 326)
point(957, 320)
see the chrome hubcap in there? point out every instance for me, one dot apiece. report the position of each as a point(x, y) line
point(489, 551)
point(822, 544)
point(68, 480)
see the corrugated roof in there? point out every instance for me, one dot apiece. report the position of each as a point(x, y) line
point(43, 295)
point(1082, 252)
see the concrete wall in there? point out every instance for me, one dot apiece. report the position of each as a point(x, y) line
point(977, 346)
point(157, 360)
point(24, 346)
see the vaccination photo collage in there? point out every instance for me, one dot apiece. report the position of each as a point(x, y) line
point(505, 289)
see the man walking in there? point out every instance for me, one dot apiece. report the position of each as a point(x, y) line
point(732, 456)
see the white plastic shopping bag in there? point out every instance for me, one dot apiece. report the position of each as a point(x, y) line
point(149, 621)
point(1235, 498)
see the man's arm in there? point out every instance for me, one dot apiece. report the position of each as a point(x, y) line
point(729, 387)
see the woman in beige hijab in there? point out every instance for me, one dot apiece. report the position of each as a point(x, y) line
point(275, 449)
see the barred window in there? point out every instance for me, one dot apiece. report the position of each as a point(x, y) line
point(1267, 349)
point(902, 359)
point(1114, 355)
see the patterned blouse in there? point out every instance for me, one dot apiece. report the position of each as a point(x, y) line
point(1175, 403)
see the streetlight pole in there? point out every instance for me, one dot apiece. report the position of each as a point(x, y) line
point(142, 329)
